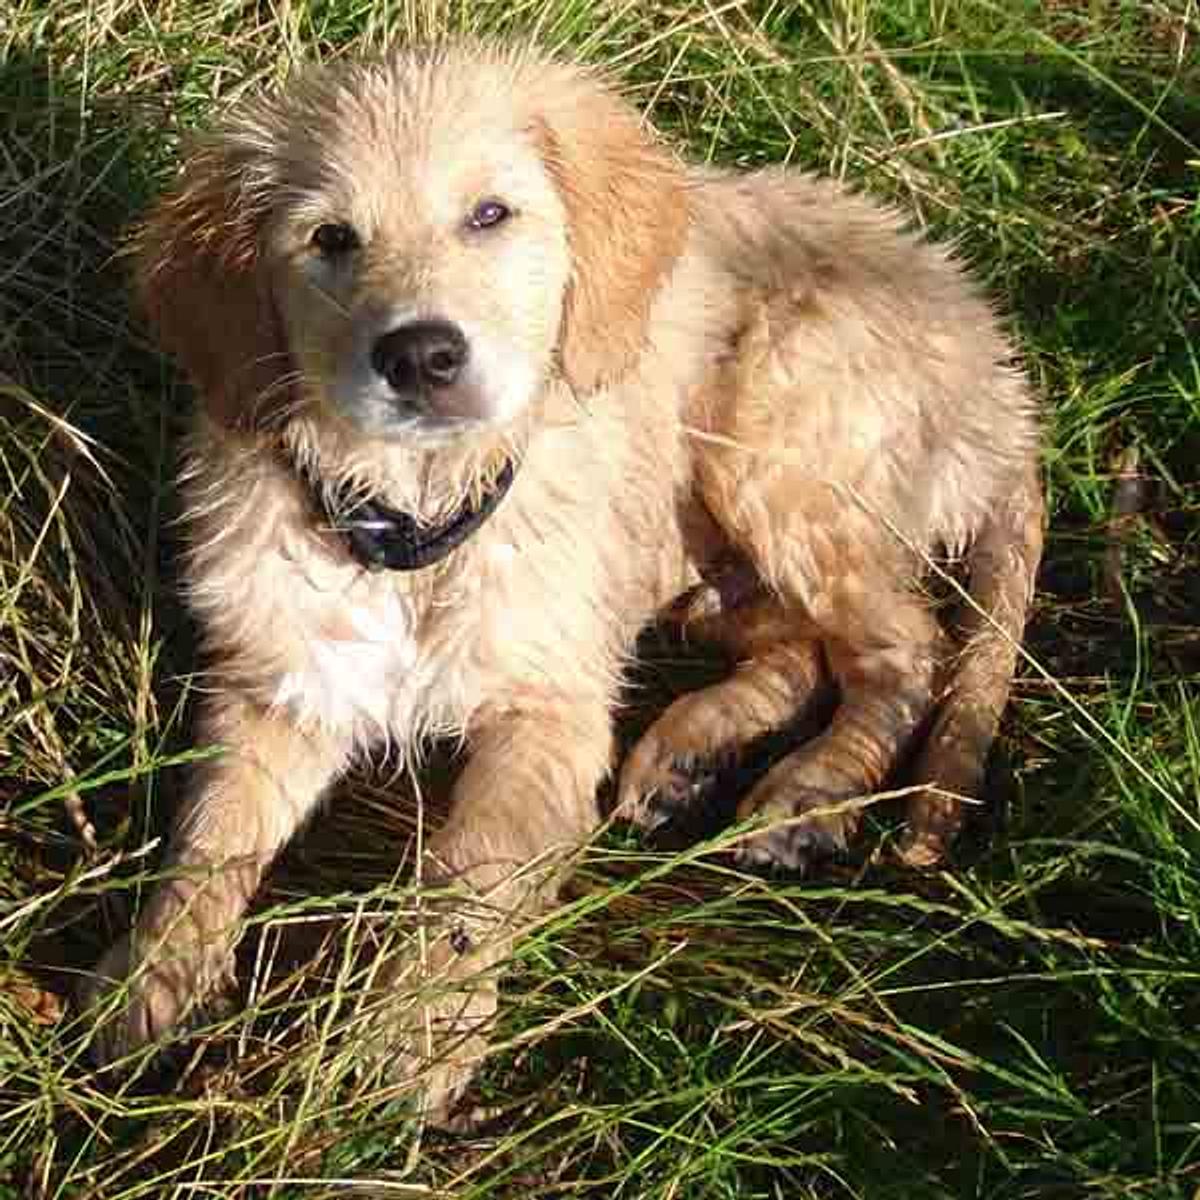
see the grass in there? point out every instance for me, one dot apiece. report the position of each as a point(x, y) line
point(1021, 1025)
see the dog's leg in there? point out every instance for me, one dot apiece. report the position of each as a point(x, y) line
point(1004, 562)
point(525, 801)
point(886, 691)
point(242, 808)
point(778, 675)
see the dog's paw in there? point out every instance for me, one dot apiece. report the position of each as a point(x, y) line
point(677, 766)
point(668, 789)
point(429, 1048)
point(134, 1001)
point(806, 821)
point(426, 1026)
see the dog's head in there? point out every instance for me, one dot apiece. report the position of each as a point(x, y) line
point(414, 244)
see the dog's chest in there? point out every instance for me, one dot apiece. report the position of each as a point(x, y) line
point(344, 673)
point(369, 657)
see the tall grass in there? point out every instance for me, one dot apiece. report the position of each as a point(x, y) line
point(1023, 1024)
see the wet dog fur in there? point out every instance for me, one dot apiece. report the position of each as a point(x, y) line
point(759, 383)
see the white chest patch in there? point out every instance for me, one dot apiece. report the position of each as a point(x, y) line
point(352, 660)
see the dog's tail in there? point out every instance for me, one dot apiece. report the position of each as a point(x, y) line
point(1003, 563)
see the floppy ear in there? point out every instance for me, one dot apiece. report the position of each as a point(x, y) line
point(200, 281)
point(627, 217)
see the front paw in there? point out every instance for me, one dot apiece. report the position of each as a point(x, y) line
point(427, 1024)
point(136, 999)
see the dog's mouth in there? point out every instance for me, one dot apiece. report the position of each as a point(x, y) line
point(376, 410)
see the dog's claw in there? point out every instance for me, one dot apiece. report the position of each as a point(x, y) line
point(793, 850)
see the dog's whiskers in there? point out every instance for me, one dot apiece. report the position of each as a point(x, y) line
point(332, 301)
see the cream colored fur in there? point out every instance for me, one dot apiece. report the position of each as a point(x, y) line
point(703, 376)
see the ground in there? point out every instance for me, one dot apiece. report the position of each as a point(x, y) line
point(1022, 1024)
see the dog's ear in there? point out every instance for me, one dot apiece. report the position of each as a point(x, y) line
point(627, 217)
point(199, 276)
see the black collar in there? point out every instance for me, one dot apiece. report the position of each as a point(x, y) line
point(379, 536)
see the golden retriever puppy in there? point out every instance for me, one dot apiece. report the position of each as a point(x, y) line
point(489, 379)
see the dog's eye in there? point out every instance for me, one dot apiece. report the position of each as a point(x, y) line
point(488, 213)
point(333, 240)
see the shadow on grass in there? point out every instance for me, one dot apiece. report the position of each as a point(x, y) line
point(86, 457)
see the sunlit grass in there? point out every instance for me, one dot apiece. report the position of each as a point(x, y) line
point(1022, 1025)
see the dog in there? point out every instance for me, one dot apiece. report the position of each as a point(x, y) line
point(489, 379)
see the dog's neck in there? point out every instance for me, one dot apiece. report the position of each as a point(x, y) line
point(380, 537)
point(403, 511)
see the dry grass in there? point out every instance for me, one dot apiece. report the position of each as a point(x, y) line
point(1023, 1026)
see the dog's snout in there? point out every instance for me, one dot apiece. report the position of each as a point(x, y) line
point(420, 355)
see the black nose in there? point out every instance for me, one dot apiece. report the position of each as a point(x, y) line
point(420, 355)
